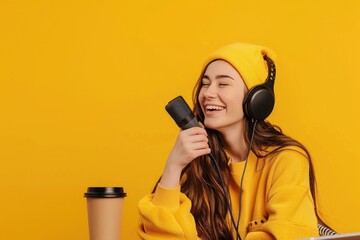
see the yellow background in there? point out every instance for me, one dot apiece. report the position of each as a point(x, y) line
point(83, 85)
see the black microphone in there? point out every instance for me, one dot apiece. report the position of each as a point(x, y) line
point(180, 111)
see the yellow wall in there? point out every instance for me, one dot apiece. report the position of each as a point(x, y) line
point(83, 85)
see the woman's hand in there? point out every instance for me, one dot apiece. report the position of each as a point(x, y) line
point(190, 144)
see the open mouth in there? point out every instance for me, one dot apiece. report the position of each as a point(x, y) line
point(213, 108)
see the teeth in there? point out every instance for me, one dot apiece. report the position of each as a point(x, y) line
point(214, 107)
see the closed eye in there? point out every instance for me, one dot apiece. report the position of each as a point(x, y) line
point(205, 81)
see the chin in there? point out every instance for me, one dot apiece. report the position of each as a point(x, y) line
point(212, 125)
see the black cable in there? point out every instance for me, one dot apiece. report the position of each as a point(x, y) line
point(226, 195)
point(243, 173)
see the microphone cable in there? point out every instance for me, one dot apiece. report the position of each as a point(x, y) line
point(227, 195)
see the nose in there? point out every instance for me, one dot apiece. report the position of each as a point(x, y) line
point(210, 91)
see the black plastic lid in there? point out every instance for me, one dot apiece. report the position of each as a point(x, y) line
point(105, 192)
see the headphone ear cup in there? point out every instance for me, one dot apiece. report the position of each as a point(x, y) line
point(259, 103)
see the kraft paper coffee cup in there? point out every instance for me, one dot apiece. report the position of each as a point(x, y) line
point(104, 207)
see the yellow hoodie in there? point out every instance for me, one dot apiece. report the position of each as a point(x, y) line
point(276, 198)
point(276, 202)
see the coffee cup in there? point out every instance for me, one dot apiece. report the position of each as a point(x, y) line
point(105, 207)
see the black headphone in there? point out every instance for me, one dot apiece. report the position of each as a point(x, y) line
point(260, 100)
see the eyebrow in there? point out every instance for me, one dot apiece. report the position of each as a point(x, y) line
point(218, 76)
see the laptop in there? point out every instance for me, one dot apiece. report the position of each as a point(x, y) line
point(344, 236)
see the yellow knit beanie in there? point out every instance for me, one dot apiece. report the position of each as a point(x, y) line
point(247, 59)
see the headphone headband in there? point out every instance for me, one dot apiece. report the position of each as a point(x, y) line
point(271, 72)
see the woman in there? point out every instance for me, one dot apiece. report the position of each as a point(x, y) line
point(266, 186)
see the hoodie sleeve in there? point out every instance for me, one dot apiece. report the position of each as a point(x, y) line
point(166, 215)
